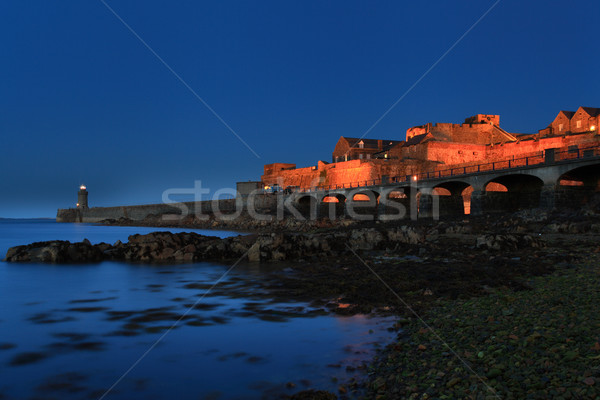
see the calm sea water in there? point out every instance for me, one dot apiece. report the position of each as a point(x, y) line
point(74, 331)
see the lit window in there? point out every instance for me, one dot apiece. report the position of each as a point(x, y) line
point(579, 124)
point(560, 127)
point(361, 144)
point(593, 128)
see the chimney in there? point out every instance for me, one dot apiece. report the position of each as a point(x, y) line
point(380, 144)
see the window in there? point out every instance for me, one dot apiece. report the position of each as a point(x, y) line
point(361, 145)
point(560, 126)
point(579, 124)
point(368, 156)
point(360, 156)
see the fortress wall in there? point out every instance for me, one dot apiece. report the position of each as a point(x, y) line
point(291, 177)
point(454, 153)
point(516, 149)
point(335, 174)
point(464, 133)
point(427, 156)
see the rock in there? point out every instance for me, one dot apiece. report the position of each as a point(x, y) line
point(58, 251)
point(254, 253)
point(406, 234)
point(277, 256)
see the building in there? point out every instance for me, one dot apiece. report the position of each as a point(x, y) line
point(432, 147)
point(585, 119)
point(347, 148)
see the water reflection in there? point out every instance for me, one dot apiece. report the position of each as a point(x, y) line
point(71, 331)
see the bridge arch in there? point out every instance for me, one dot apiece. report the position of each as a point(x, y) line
point(307, 205)
point(454, 187)
point(332, 204)
point(362, 203)
point(588, 176)
point(453, 197)
point(577, 186)
point(512, 192)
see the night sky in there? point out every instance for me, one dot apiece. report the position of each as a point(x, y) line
point(83, 100)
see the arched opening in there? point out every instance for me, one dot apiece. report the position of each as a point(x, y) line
point(307, 206)
point(305, 200)
point(332, 205)
point(364, 202)
point(512, 192)
point(396, 203)
point(450, 198)
point(578, 187)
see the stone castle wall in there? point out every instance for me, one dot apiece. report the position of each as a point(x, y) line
point(408, 160)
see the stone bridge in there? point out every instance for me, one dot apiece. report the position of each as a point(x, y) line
point(556, 177)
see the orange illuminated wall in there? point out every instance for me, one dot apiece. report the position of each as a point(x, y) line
point(437, 147)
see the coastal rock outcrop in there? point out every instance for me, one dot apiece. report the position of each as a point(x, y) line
point(57, 251)
point(166, 247)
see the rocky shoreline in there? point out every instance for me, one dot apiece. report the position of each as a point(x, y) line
point(437, 267)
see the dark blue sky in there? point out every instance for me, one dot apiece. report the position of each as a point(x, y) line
point(83, 101)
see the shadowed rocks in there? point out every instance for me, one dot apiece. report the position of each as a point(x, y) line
point(166, 247)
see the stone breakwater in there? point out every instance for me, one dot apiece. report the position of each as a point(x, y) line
point(166, 247)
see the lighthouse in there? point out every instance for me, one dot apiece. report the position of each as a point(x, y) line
point(82, 197)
